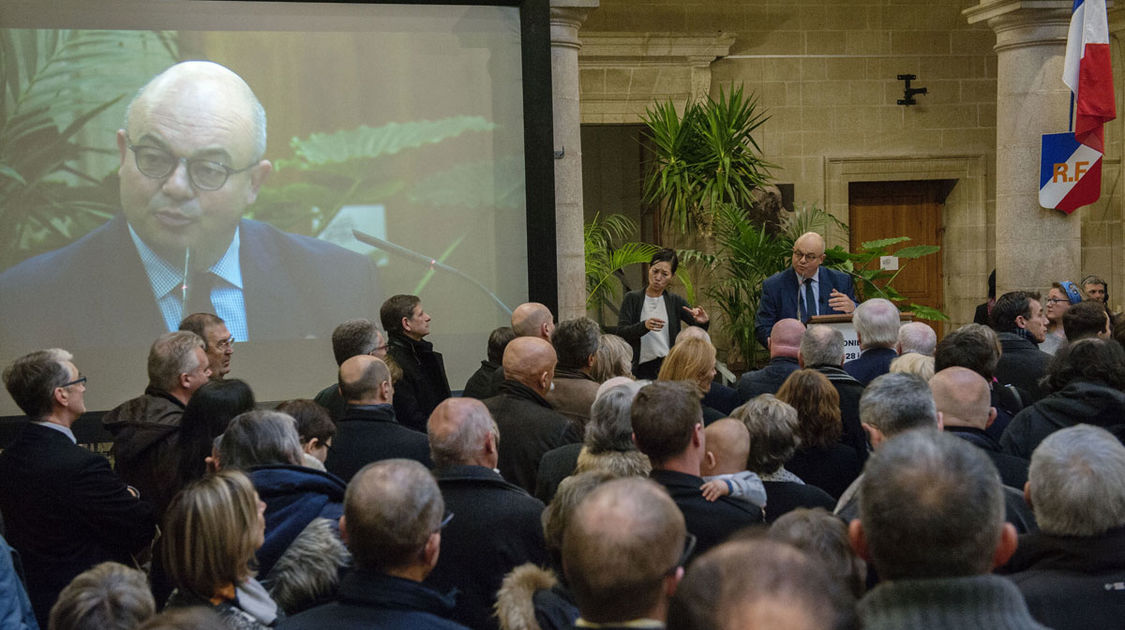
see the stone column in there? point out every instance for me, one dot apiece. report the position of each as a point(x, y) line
point(1034, 246)
point(566, 17)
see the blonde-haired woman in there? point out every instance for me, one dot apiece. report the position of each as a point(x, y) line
point(211, 531)
point(692, 360)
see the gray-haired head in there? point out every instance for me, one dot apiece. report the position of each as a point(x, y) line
point(33, 378)
point(931, 506)
point(1077, 482)
point(773, 432)
point(262, 437)
point(822, 345)
point(916, 337)
point(894, 403)
point(610, 427)
point(171, 355)
point(876, 322)
point(353, 338)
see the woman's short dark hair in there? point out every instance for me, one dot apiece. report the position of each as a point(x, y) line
point(818, 408)
point(667, 255)
point(1094, 360)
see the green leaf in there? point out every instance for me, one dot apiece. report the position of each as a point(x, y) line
point(917, 251)
point(884, 243)
point(371, 142)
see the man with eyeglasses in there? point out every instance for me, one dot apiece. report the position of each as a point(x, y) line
point(218, 343)
point(803, 290)
point(192, 160)
point(64, 509)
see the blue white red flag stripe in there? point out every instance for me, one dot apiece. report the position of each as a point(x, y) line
point(1088, 72)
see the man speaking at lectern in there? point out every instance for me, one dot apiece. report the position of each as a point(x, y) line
point(803, 290)
point(192, 157)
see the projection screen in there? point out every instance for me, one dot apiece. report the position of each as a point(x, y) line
point(425, 126)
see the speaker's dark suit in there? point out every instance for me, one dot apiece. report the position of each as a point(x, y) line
point(65, 511)
point(779, 297)
point(95, 292)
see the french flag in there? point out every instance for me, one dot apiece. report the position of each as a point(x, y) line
point(1088, 73)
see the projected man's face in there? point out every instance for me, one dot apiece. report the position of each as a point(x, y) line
point(192, 114)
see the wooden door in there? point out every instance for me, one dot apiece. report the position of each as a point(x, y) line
point(885, 209)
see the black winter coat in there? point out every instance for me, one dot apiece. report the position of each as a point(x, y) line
point(1080, 402)
point(423, 384)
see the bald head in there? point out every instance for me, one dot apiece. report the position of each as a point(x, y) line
point(532, 319)
point(462, 433)
point(810, 242)
point(785, 338)
point(365, 379)
point(186, 84)
point(962, 397)
point(531, 361)
point(728, 443)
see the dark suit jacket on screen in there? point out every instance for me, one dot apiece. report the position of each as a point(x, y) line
point(779, 298)
point(66, 511)
point(94, 292)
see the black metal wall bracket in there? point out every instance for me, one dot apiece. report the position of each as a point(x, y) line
point(907, 91)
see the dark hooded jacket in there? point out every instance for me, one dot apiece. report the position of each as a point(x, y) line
point(146, 439)
point(301, 558)
point(1080, 402)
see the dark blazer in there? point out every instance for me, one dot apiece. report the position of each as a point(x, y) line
point(294, 286)
point(369, 599)
point(766, 380)
point(369, 433)
point(785, 496)
point(831, 469)
point(711, 523)
point(528, 429)
point(779, 297)
point(423, 384)
point(495, 528)
point(66, 511)
point(631, 328)
point(871, 364)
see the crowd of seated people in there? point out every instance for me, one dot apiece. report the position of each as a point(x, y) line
point(973, 482)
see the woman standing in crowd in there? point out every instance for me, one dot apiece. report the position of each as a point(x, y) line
point(650, 318)
point(821, 459)
point(211, 531)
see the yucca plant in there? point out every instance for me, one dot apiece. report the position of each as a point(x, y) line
point(750, 254)
point(705, 157)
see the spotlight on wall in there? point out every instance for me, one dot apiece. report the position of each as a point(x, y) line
point(907, 91)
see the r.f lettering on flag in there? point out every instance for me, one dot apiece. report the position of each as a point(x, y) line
point(1088, 73)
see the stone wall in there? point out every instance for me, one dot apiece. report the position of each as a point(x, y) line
point(826, 72)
